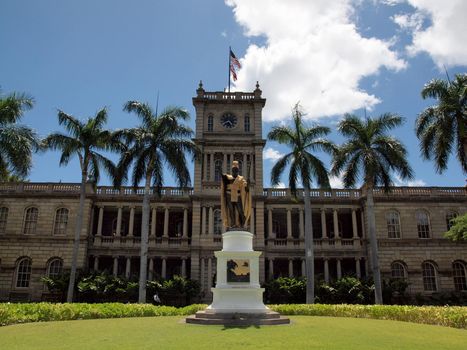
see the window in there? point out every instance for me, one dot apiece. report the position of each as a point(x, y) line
point(30, 221)
point(123, 227)
point(61, 221)
point(55, 267)
point(429, 277)
point(217, 170)
point(459, 276)
point(449, 217)
point(217, 222)
point(247, 123)
point(393, 224)
point(3, 219)
point(398, 270)
point(210, 122)
point(23, 273)
point(423, 224)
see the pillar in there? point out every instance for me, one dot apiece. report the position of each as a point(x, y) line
point(271, 268)
point(183, 267)
point(115, 266)
point(185, 222)
point(211, 175)
point(166, 222)
point(270, 233)
point(289, 223)
point(244, 167)
point(324, 233)
point(96, 263)
point(339, 269)
point(119, 221)
point(335, 221)
point(211, 221)
point(224, 164)
point(209, 274)
point(357, 268)
point(164, 268)
point(363, 224)
point(153, 221)
point(151, 269)
point(354, 224)
point(252, 221)
point(100, 220)
point(301, 224)
point(202, 273)
point(128, 267)
point(326, 271)
point(132, 221)
point(203, 220)
point(303, 268)
point(205, 175)
point(290, 267)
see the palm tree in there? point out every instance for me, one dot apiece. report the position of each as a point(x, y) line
point(84, 139)
point(444, 126)
point(17, 142)
point(371, 152)
point(303, 166)
point(159, 141)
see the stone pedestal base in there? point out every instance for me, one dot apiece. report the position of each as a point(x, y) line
point(240, 300)
point(269, 318)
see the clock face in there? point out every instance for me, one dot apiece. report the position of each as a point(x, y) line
point(228, 120)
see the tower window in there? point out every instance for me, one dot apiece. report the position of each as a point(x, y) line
point(247, 123)
point(210, 122)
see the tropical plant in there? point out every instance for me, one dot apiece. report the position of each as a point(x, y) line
point(17, 142)
point(374, 155)
point(160, 142)
point(84, 139)
point(303, 166)
point(442, 127)
point(458, 230)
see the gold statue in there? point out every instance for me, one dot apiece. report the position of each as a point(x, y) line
point(235, 199)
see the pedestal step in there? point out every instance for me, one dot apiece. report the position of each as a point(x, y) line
point(237, 319)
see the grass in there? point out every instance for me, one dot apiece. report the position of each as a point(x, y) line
point(305, 332)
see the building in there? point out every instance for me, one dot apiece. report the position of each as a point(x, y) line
point(37, 220)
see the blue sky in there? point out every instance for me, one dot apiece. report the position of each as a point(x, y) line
point(334, 57)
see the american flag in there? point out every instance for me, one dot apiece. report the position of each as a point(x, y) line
point(234, 65)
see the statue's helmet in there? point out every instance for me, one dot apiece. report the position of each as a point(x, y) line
point(235, 164)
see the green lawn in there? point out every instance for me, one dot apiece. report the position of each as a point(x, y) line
point(305, 332)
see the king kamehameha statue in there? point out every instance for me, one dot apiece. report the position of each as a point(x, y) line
point(237, 298)
point(235, 200)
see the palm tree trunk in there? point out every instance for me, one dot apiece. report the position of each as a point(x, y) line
point(374, 246)
point(143, 266)
point(78, 227)
point(309, 254)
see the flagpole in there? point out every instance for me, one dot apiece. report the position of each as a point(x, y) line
point(228, 70)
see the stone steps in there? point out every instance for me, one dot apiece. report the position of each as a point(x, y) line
point(238, 319)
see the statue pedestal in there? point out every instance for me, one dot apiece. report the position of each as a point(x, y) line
point(238, 296)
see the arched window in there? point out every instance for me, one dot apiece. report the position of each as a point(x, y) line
point(398, 270)
point(61, 221)
point(247, 123)
point(23, 273)
point(393, 224)
point(423, 224)
point(210, 122)
point(55, 267)
point(30, 220)
point(217, 170)
point(3, 219)
point(217, 222)
point(460, 282)
point(429, 277)
point(449, 217)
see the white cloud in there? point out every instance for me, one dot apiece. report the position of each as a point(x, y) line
point(224, 34)
point(445, 37)
point(336, 182)
point(280, 185)
point(271, 153)
point(411, 183)
point(313, 54)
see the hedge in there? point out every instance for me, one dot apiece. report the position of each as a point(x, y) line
point(450, 316)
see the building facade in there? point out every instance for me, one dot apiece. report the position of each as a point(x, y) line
point(37, 221)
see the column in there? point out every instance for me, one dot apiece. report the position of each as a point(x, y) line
point(357, 268)
point(119, 221)
point(303, 268)
point(205, 164)
point(151, 269)
point(224, 164)
point(203, 220)
point(363, 223)
point(115, 266)
point(326, 271)
point(211, 175)
point(271, 268)
point(270, 233)
point(324, 233)
point(166, 222)
point(335, 221)
point(185, 222)
point(183, 267)
point(209, 274)
point(354, 224)
point(289, 223)
point(301, 224)
point(244, 167)
point(291, 268)
point(202, 273)
point(132, 221)
point(100, 220)
point(339, 269)
point(164, 268)
point(96, 263)
point(252, 221)
point(211, 221)
point(153, 221)
point(128, 267)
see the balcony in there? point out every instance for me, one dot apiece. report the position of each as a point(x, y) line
point(319, 244)
point(132, 242)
